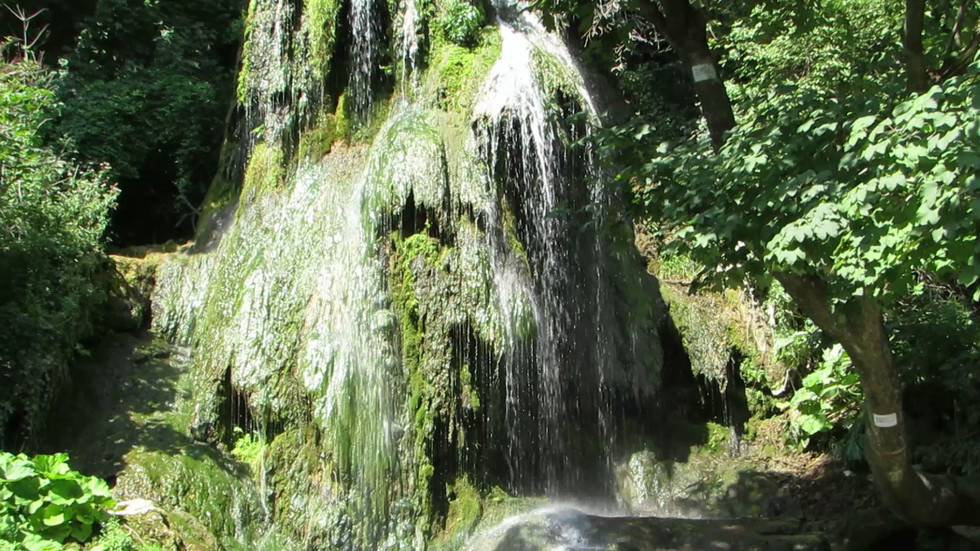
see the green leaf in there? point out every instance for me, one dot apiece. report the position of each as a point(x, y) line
point(65, 491)
point(82, 532)
point(18, 469)
point(53, 515)
point(812, 424)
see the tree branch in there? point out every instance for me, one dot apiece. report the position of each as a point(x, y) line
point(954, 35)
point(956, 66)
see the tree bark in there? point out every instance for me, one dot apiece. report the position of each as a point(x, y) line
point(685, 28)
point(918, 79)
point(858, 325)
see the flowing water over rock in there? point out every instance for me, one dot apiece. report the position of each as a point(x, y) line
point(445, 302)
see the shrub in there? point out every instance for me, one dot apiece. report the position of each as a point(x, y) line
point(459, 22)
point(830, 397)
point(52, 217)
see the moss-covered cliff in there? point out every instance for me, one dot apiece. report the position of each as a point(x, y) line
point(415, 302)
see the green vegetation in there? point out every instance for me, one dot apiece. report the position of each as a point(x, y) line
point(829, 397)
point(266, 171)
point(146, 88)
point(45, 503)
point(52, 217)
point(456, 72)
point(248, 448)
point(459, 22)
point(850, 178)
point(116, 537)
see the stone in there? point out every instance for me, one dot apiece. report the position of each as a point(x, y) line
point(570, 529)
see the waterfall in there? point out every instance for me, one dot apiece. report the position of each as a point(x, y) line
point(526, 146)
point(409, 47)
point(437, 304)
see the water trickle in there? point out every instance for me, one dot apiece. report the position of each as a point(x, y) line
point(409, 48)
point(364, 55)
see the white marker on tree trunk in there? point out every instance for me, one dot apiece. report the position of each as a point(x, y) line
point(886, 421)
point(705, 71)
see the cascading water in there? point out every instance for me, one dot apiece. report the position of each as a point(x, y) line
point(365, 38)
point(409, 47)
point(437, 308)
point(532, 111)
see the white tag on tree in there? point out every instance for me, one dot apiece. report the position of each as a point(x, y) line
point(705, 71)
point(886, 421)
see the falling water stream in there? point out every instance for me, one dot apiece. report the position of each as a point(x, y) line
point(434, 305)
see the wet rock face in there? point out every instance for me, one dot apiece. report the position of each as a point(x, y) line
point(435, 302)
point(702, 486)
point(565, 529)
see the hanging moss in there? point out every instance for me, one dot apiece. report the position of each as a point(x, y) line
point(456, 72)
point(318, 27)
point(265, 172)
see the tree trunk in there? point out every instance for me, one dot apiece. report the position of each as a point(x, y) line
point(918, 80)
point(686, 30)
point(859, 327)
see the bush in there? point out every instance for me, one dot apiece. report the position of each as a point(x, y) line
point(52, 217)
point(830, 397)
point(44, 503)
point(459, 22)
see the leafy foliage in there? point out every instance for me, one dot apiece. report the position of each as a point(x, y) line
point(936, 341)
point(45, 503)
point(459, 22)
point(834, 173)
point(831, 179)
point(248, 447)
point(52, 217)
point(146, 88)
point(829, 397)
point(116, 537)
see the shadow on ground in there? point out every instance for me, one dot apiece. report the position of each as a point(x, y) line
point(125, 395)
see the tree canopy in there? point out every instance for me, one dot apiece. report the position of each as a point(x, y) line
point(850, 177)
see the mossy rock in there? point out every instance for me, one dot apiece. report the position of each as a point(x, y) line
point(465, 510)
point(171, 531)
point(705, 485)
point(131, 285)
point(196, 488)
point(456, 72)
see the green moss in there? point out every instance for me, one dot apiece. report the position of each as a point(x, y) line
point(196, 486)
point(265, 70)
point(408, 159)
point(457, 72)
point(703, 331)
point(330, 128)
point(554, 76)
point(509, 221)
point(465, 510)
point(319, 28)
point(718, 437)
point(470, 395)
point(265, 172)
